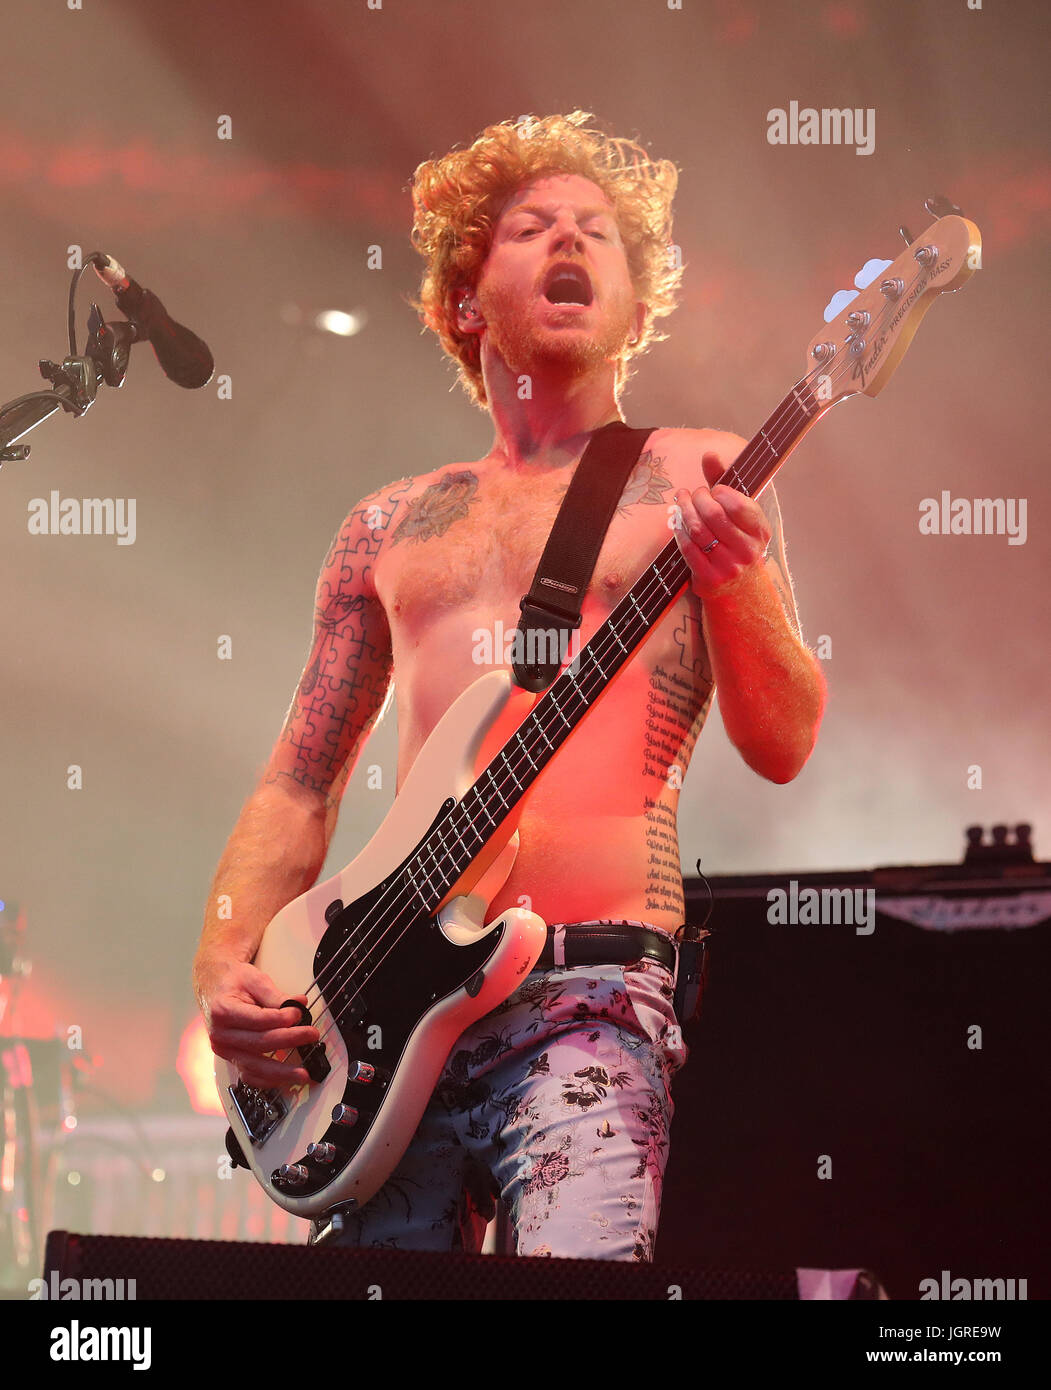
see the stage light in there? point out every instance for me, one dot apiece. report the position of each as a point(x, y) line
point(195, 1063)
point(340, 322)
point(343, 324)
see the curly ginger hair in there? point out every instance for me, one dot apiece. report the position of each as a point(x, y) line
point(458, 198)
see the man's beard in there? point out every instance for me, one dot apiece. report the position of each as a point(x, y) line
point(527, 345)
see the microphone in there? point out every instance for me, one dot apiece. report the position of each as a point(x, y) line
point(183, 357)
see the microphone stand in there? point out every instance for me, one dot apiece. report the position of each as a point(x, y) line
point(19, 1191)
point(74, 383)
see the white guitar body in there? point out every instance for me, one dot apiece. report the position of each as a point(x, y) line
point(446, 767)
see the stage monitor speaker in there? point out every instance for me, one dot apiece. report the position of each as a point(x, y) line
point(170, 1269)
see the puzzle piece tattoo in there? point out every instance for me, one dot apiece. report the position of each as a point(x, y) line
point(348, 670)
point(690, 636)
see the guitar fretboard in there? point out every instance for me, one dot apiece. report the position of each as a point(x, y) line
point(455, 840)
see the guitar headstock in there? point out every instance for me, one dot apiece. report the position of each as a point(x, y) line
point(867, 332)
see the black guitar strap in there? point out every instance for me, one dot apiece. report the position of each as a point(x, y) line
point(551, 609)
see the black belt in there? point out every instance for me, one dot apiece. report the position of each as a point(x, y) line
point(608, 945)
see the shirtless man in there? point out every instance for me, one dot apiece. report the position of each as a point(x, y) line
point(566, 1113)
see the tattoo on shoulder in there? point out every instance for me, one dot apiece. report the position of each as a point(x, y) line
point(352, 556)
point(648, 482)
point(377, 510)
point(438, 507)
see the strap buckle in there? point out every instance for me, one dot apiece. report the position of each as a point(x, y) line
point(530, 606)
point(542, 644)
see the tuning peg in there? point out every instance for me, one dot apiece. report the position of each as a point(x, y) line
point(838, 303)
point(940, 206)
point(906, 235)
point(869, 271)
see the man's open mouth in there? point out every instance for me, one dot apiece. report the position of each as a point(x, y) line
point(568, 284)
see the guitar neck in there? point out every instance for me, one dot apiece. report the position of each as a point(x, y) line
point(768, 448)
point(458, 837)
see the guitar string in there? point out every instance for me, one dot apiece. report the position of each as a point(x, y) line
point(788, 407)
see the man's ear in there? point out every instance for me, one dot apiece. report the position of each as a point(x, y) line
point(468, 315)
point(640, 322)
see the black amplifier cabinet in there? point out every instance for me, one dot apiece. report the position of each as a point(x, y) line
point(870, 1089)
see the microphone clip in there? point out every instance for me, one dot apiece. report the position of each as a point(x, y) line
point(80, 378)
point(106, 356)
point(109, 345)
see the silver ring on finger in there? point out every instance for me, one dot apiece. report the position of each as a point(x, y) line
point(710, 546)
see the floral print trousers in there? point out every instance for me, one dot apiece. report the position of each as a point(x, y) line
point(557, 1103)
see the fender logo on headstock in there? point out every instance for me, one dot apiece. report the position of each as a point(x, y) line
point(863, 368)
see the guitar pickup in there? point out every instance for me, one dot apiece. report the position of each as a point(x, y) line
point(315, 1061)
